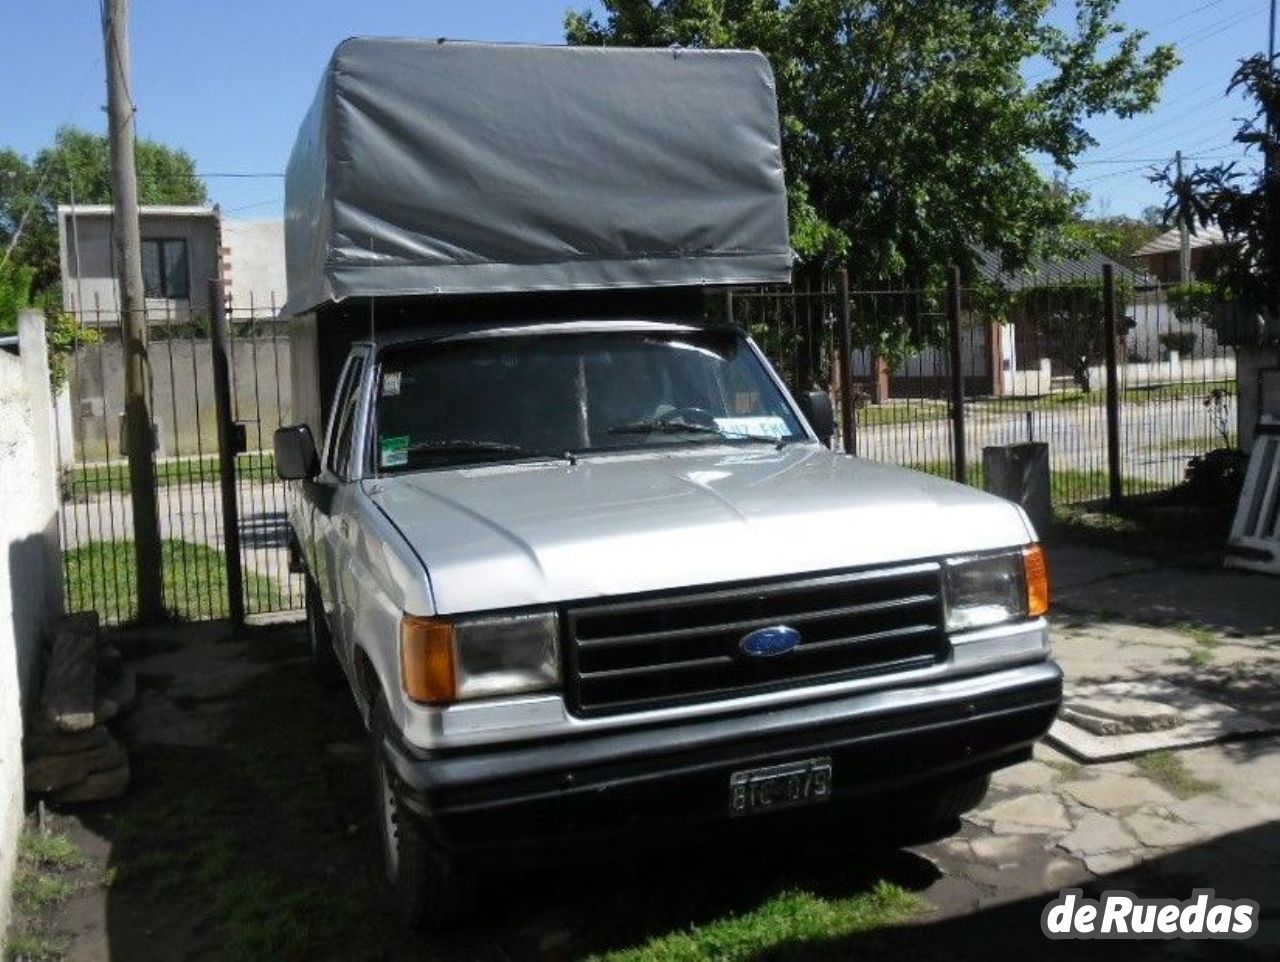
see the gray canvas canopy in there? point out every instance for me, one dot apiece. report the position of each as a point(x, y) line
point(428, 167)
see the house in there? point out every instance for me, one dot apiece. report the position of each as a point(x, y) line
point(183, 249)
point(1161, 256)
point(1019, 345)
point(179, 258)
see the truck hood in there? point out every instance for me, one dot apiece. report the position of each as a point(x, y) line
point(505, 536)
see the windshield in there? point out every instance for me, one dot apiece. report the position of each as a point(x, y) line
point(550, 395)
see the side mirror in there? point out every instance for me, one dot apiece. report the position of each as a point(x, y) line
point(816, 406)
point(296, 457)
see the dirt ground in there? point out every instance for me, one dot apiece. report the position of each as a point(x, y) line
point(247, 832)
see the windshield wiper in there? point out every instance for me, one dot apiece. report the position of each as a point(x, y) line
point(663, 426)
point(482, 446)
point(455, 445)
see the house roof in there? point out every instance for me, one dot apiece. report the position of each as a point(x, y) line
point(1171, 240)
point(1057, 271)
point(146, 210)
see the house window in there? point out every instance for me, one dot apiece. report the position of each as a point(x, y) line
point(164, 268)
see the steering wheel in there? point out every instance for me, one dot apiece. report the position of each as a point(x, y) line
point(699, 417)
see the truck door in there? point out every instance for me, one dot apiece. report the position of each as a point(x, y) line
point(338, 474)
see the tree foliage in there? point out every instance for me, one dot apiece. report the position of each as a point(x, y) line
point(1070, 320)
point(1246, 205)
point(1117, 237)
point(908, 125)
point(15, 294)
point(77, 168)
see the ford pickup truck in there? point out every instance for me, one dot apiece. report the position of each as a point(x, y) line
point(585, 562)
point(585, 573)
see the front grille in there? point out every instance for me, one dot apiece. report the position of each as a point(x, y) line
point(658, 651)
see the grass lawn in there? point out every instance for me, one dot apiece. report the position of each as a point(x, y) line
point(1065, 486)
point(101, 575)
point(784, 927)
point(907, 411)
point(85, 480)
point(1168, 526)
point(926, 410)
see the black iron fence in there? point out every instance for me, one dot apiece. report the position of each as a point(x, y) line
point(97, 524)
point(1032, 358)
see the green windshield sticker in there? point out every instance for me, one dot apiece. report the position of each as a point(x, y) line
point(394, 451)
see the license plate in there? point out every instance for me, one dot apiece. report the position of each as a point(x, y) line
point(780, 786)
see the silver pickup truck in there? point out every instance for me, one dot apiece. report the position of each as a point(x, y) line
point(586, 564)
point(591, 575)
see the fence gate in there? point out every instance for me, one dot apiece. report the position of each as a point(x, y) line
point(97, 523)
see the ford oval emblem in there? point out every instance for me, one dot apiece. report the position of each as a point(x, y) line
point(770, 642)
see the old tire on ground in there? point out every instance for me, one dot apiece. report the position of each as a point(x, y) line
point(324, 660)
point(429, 892)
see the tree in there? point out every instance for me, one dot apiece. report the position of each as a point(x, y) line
point(77, 167)
point(1245, 206)
point(908, 124)
point(1117, 237)
point(1070, 319)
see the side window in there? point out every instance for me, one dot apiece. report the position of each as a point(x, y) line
point(344, 421)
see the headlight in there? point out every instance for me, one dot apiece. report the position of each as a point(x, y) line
point(987, 590)
point(444, 660)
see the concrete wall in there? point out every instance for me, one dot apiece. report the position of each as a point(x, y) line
point(30, 572)
point(182, 391)
point(88, 263)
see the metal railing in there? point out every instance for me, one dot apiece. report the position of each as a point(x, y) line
point(1033, 366)
point(913, 372)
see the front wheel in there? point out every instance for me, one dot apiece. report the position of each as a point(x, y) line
point(324, 660)
point(941, 805)
point(429, 892)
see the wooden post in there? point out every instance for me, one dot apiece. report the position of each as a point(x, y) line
point(228, 448)
point(960, 470)
point(1115, 486)
point(848, 417)
point(139, 432)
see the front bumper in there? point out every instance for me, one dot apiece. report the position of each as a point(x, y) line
point(879, 742)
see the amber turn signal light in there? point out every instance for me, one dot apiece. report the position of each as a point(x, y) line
point(426, 660)
point(1037, 570)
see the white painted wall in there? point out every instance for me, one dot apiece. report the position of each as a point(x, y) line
point(30, 574)
point(254, 264)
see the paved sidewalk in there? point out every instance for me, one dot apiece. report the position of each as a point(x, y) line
point(247, 773)
point(1160, 824)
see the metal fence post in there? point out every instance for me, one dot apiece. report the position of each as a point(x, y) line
point(848, 423)
point(227, 449)
point(960, 467)
point(1115, 487)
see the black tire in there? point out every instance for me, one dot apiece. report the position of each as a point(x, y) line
point(428, 890)
point(324, 660)
point(948, 803)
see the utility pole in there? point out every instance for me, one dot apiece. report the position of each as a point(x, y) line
point(139, 437)
point(1184, 234)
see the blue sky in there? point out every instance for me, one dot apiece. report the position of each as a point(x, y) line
point(229, 80)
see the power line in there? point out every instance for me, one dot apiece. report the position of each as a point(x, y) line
point(261, 203)
point(209, 175)
point(1148, 160)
